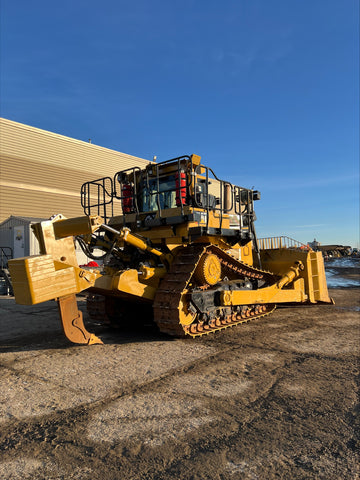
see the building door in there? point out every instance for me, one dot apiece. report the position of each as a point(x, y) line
point(19, 241)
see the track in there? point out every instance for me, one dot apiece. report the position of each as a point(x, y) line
point(172, 310)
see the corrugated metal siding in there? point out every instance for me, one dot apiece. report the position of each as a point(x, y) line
point(12, 221)
point(42, 172)
point(20, 140)
point(23, 173)
point(33, 203)
point(34, 247)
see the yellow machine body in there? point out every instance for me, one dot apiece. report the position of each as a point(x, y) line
point(184, 246)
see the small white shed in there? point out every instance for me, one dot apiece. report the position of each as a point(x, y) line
point(17, 237)
point(17, 240)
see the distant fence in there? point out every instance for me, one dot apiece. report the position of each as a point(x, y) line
point(281, 242)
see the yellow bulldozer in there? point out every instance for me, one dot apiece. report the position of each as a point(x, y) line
point(172, 241)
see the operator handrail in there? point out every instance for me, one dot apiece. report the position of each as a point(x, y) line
point(97, 197)
point(269, 243)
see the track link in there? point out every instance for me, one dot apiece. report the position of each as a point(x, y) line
point(171, 296)
point(170, 292)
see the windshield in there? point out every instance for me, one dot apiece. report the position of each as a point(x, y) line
point(149, 200)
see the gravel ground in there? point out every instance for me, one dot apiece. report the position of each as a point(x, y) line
point(274, 398)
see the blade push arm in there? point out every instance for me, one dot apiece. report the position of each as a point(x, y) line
point(272, 294)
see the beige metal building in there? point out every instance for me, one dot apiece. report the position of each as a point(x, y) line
point(41, 172)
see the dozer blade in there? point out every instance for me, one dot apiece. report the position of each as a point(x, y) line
point(278, 261)
point(72, 322)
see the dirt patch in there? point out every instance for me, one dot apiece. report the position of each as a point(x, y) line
point(274, 398)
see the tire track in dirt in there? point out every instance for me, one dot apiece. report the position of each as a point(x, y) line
point(276, 408)
point(46, 430)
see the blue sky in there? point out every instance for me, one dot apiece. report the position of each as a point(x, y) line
point(267, 92)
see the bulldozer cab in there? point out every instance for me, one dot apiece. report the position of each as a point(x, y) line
point(171, 193)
